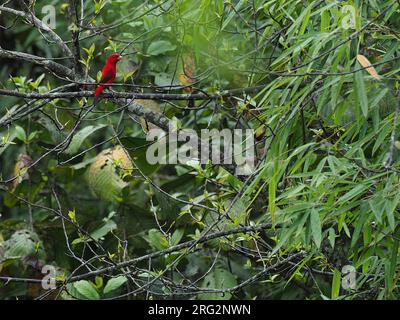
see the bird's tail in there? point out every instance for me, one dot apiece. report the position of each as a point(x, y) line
point(98, 90)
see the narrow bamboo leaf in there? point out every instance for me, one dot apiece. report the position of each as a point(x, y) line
point(232, 14)
point(305, 19)
point(390, 208)
point(354, 192)
point(316, 228)
point(325, 17)
point(336, 284)
point(359, 226)
point(271, 198)
point(393, 264)
point(361, 93)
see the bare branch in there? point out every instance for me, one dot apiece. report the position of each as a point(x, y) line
point(175, 248)
point(55, 67)
point(31, 19)
point(75, 38)
point(133, 95)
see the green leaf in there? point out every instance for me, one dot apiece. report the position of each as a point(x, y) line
point(331, 237)
point(98, 282)
point(32, 135)
point(157, 239)
point(336, 281)
point(232, 13)
point(392, 266)
point(21, 244)
point(103, 230)
point(287, 232)
point(316, 229)
point(20, 133)
point(218, 279)
point(238, 211)
point(130, 74)
point(35, 84)
point(325, 20)
point(80, 136)
point(305, 18)
point(390, 208)
point(177, 236)
point(377, 203)
point(114, 284)
point(363, 216)
point(164, 79)
point(361, 93)
point(159, 47)
point(86, 289)
point(72, 215)
point(272, 194)
point(271, 197)
point(354, 192)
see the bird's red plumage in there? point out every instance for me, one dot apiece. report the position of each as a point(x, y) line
point(108, 73)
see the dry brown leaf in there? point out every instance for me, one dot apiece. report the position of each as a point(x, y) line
point(369, 67)
point(188, 75)
point(21, 170)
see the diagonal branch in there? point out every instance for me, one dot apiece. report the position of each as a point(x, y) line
point(32, 19)
point(178, 247)
point(55, 67)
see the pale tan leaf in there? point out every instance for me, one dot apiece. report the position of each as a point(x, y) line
point(368, 66)
point(188, 75)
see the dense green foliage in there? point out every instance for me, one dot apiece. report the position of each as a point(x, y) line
point(326, 184)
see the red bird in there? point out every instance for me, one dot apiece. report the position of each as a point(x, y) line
point(108, 73)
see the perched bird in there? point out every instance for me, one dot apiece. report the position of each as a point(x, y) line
point(108, 73)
